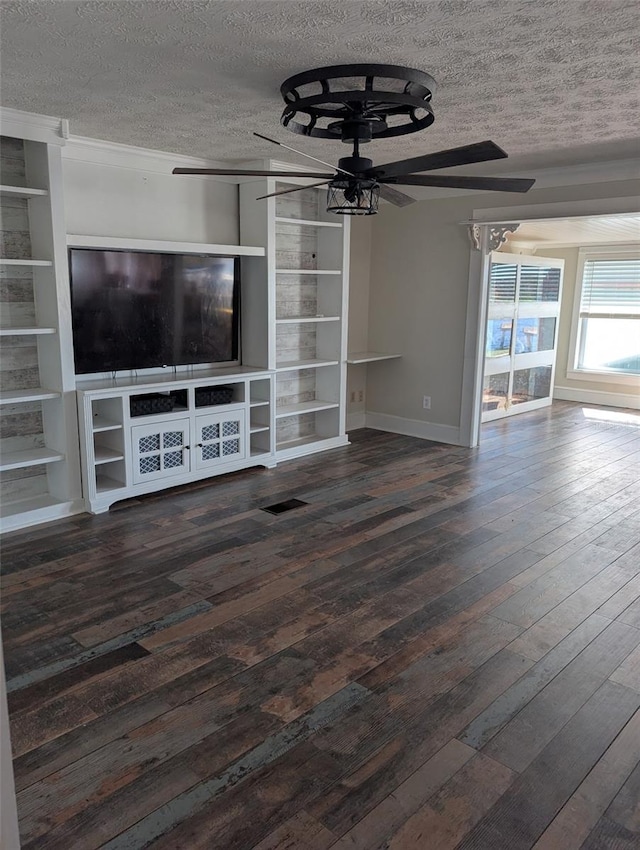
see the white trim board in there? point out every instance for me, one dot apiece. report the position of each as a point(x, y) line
point(414, 428)
point(102, 152)
point(556, 211)
point(34, 127)
point(597, 397)
point(119, 243)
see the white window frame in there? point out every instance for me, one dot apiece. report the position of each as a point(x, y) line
point(602, 252)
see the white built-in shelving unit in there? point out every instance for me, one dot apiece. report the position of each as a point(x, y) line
point(39, 457)
point(304, 299)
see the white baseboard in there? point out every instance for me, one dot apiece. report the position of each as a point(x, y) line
point(631, 400)
point(414, 428)
point(356, 420)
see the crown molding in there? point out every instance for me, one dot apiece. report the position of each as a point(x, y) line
point(33, 127)
point(594, 172)
point(115, 154)
point(546, 178)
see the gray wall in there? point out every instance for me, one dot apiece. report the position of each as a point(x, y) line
point(418, 296)
point(359, 276)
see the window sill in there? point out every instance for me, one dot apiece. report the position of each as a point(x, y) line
point(604, 377)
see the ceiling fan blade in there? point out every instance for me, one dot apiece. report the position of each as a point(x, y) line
point(398, 199)
point(235, 172)
point(457, 181)
point(479, 152)
point(308, 156)
point(295, 189)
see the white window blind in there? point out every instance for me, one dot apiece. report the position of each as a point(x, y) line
point(611, 288)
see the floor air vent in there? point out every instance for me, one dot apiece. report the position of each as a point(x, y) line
point(283, 507)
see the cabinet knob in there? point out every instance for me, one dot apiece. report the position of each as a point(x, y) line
point(186, 447)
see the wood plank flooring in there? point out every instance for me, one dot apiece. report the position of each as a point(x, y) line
point(440, 650)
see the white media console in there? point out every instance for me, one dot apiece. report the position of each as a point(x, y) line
point(126, 452)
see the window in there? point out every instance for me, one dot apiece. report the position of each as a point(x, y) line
point(606, 331)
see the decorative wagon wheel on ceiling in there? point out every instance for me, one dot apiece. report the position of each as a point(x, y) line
point(358, 104)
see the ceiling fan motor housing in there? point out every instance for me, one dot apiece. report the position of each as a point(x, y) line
point(358, 102)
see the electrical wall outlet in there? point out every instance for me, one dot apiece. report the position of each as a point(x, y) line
point(426, 402)
point(361, 395)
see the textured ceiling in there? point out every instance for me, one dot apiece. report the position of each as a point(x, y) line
point(552, 81)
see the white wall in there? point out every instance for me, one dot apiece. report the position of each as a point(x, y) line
point(112, 200)
point(418, 296)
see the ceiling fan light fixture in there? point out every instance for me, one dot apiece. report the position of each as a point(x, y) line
point(346, 197)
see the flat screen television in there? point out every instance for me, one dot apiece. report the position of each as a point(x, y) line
point(140, 310)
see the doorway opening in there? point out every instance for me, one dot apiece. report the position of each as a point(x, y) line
point(558, 315)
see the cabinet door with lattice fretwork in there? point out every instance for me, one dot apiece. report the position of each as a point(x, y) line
point(160, 450)
point(220, 438)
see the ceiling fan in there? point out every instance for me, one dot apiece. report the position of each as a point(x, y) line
point(359, 103)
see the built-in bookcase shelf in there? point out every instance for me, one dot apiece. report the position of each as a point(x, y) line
point(307, 222)
point(23, 396)
point(22, 192)
point(295, 365)
point(311, 320)
point(32, 457)
point(305, 407)
point(4, 261)
point(26, 331)
point(309, 271)
point(36, 508)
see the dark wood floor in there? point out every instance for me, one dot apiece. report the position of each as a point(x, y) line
point(441, 650)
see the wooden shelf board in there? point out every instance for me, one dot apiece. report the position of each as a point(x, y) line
point(102, 424)
point(305, 407)
point(301, 441)
point(292, 365)
point(18, 396)
point(26, 331)
point(9, 262)
point(308, 271)
point(22, 192)
point(105, 455)
point(124, 244)
point(369, 357)
point(32, 457)
point(25, 506)
point(104, 484)
point(307, 222)
point(299, 320)
point(176, 413)
point(260, 453)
